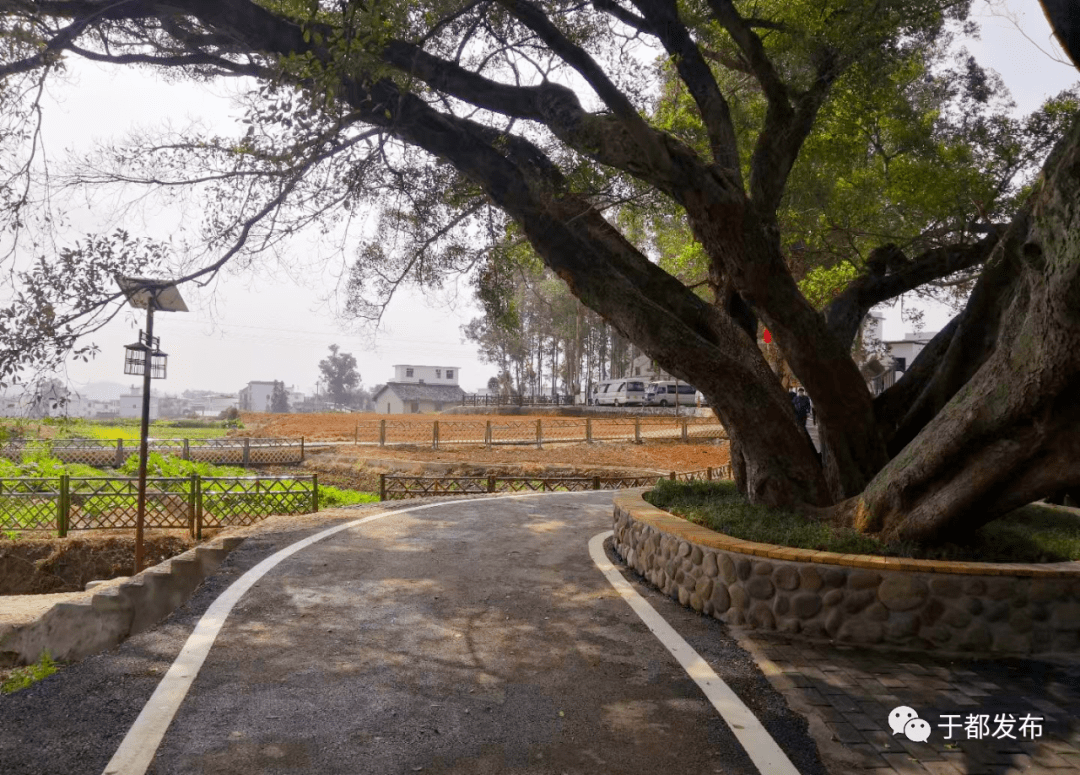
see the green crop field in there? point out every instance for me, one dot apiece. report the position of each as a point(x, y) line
point(128, 430)
point(112, 432)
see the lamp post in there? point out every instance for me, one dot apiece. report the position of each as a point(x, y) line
point(146, 358)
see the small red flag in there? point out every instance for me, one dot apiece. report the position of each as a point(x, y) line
point(768, 336)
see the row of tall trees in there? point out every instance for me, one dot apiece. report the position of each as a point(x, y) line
point(543, 340)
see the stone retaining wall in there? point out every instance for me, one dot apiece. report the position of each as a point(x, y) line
point(78, 628)
point(923, 604)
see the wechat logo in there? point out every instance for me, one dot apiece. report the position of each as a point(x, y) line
point(906, 721)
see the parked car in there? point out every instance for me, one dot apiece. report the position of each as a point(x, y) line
point(665, 393)
point(618, 392)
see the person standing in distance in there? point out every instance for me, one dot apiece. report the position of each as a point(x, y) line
point(801, 402)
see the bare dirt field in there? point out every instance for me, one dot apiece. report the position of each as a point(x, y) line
point(359, 466)
point(350, 426)
point(652, 456)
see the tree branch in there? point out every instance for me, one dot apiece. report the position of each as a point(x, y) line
point(663, 17)
point(748, 41)
point(629, 18)
point(180, 60)
point(643, 135)
point(845, 314)
point(52, 49)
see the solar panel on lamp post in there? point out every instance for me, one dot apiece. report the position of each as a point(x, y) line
point(146, 358)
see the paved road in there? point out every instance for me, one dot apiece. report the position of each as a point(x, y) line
point(471, 637)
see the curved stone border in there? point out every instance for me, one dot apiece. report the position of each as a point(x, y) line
point(76, 629)
point(857, 599)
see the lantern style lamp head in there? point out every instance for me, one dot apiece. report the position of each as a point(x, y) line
point(145, 356)
point(135, 356)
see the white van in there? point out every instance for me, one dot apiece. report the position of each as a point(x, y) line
point(666, 393)
point(618, 392)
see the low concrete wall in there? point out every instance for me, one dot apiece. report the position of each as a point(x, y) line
point(73, 630)
point(855, 599)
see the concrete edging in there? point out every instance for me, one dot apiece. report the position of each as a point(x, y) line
point(856, 599)
point(75, 629)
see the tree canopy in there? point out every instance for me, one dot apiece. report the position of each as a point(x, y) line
point(279, 399)
point(691, 171)
point(339, 371)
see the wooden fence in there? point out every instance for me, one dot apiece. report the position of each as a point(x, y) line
point(397, 487)
point(473, 399)
point(105, 453)
point(67, 503)
point(520, 432)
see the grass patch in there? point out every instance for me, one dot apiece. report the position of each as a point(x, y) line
point(1031, 534)
point(22, 677)
point(332, 497)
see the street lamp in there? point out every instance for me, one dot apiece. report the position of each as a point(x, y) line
point(146, 358)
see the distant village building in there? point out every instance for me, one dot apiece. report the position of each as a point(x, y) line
point(256, 396)
point(94, 408)
point(887, 360)
point(211, 405)
point(649, 370)
point(417, 389)
point(14, 405)
point(131, 404)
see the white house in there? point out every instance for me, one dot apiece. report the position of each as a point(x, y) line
point(426, 375)
point(14, 406)
point(892, 357)
point(645, 367)
point(131, 404)
point(256, 396)
point(80, 406)
point(419, 389)
point(213, 404)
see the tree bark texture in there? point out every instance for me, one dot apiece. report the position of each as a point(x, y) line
point(1010, 432)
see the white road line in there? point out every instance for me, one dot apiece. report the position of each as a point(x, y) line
point(139, 746)
point(766, 755)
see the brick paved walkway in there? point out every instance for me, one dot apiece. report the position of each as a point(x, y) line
point(851, 692)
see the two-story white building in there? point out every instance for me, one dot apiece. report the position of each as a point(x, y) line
point(257, 396)
point(131, 404)
point(417, 389)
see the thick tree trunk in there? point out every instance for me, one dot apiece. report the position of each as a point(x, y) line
point(853, 450)
point(1011, 433)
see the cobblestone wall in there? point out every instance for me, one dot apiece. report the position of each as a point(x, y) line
point(955, 607)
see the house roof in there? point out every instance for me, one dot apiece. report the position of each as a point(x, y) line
point(412, 391)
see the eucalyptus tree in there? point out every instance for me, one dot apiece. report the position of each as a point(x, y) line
point(471, 120)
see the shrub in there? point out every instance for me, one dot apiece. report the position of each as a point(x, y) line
point(25, 676)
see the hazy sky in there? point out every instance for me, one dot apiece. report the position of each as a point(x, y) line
point(277, 327)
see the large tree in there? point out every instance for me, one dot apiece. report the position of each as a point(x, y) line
point(339, 371)
point(477, 121)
